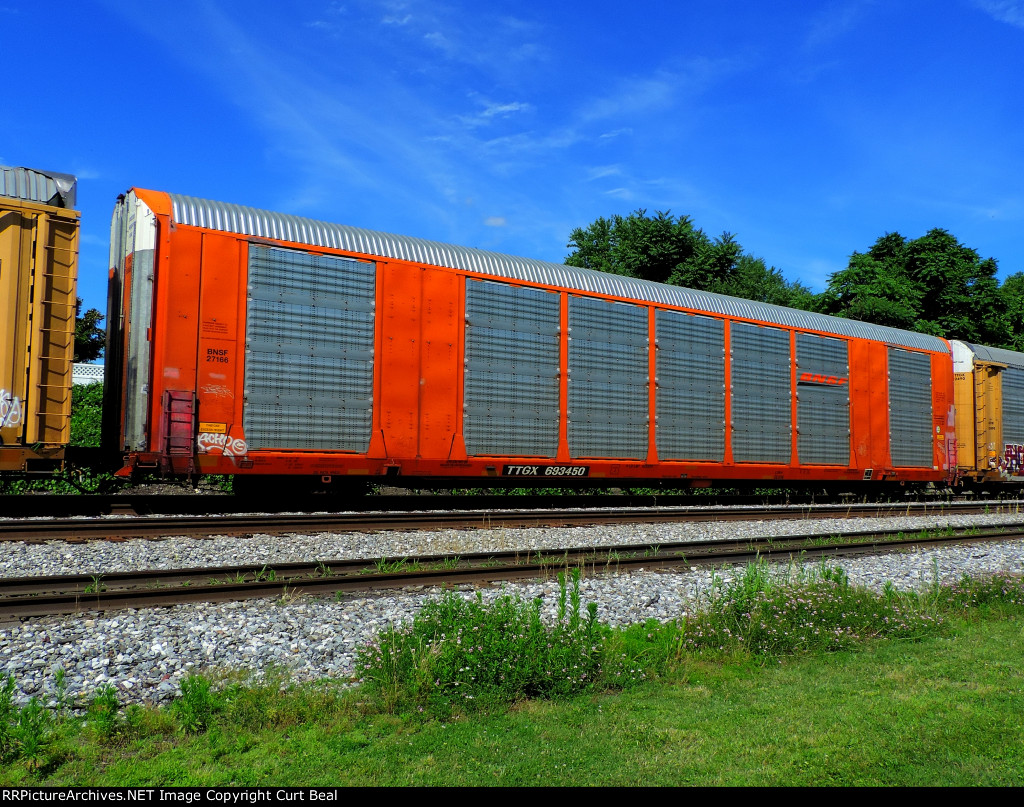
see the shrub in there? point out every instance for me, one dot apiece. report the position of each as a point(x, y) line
point(466, 653)
point(86, 414)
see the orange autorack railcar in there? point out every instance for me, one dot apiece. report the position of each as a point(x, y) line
point(246, 342)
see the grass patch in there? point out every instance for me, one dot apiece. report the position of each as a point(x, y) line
point(776, 679)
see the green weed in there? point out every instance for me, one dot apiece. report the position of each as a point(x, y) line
point(763, 614)
point(195, 709)
point(8, 712)
point(62, 701)
point(461, 654)
point(385, 566)
point(32, 732)
point(999, 593)
point(105, 713)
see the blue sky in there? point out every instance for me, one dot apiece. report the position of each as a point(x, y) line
point(807, 129)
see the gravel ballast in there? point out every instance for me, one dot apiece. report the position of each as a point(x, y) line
point(145, 653)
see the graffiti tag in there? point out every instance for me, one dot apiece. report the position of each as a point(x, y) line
point(225, 444)
point(10, 409)
point(1013, 459)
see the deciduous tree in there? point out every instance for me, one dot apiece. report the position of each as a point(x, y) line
point(933, 284)
point(667, 249)
point(89, 337)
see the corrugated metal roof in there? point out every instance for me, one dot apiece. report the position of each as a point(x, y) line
point(32, 185)
point(998, 355)
point(279, 226)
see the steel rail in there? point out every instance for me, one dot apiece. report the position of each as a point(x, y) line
point(94, 505)
point(278, 524)
point(38, 596)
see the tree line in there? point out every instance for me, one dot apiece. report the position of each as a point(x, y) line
point(932, 284)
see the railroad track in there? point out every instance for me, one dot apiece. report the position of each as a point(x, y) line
point(35, 530)
point(38, 596)
point(32, 506)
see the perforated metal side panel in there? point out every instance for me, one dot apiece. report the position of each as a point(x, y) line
point(608, 379)
point(761, 417)
point(910, 408)
point(511, 379)
point(823, 400)
point(1013, 406)
point(690, 387)
point(309, 351)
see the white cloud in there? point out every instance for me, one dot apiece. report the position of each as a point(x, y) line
point(834, 20)
point(441, 42)
point(495, 221)
point(626, 130)
point(662, 89)
point(1008, 11)
point(505, 109)
point(632, 96)
point(601, 171)
point(493, 111)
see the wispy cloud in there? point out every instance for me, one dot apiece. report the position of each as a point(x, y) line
point(625, 130)
point(663, 89)
point(631, 96)
point(420, 31)
point(601, 171)
point(493, 111)
point(834, 20)
point(1008, 11)
point(353, 136)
